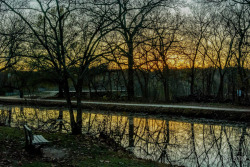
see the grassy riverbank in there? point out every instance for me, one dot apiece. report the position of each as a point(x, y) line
point(79, 151)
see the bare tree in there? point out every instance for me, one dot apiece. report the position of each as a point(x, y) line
point(12, 32)
point(235, 15)
point(132, 19)
point(70, 50)
point(144, 67)
point(219, 50)
point(164, 45)
point(195, 33)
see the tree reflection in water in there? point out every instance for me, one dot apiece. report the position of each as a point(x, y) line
point(173, 141)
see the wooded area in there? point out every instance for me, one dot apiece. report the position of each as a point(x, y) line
point(138, 45)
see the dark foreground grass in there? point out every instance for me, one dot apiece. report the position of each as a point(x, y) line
point(81, 150)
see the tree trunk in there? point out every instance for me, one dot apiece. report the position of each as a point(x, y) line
point(192, 82)
point(89, 85)
point(140, 83)
point(71, 112)
point(194, 145)
point(130, 85)
point(60, 117)
point(233, 89)
point(78, 128)
point(21, 93)
point(131, 131)
point(60, 89)
point(10, 116)
point(110, 83)
point(246, 91)
point(146, 87)
point(209, 84)
point(166, 93)
point(244, 83)
point(166, 83)
point(220, 94)
point(143, 81)
point(241, 145)
point(203, 82)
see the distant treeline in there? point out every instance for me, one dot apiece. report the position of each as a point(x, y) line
point(107, 84)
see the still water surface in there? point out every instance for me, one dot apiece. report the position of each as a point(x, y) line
point(171, 140)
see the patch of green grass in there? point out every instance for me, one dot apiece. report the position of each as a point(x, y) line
point(82, 150)
point(10, 133)
point(12, 137)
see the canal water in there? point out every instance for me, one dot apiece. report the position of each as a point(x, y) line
point(171, 140)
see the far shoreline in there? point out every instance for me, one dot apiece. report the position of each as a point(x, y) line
point(227, 114)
